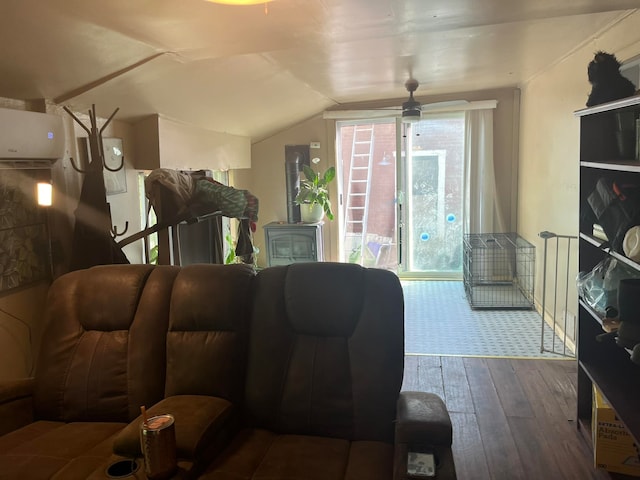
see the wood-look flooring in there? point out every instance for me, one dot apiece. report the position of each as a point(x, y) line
point(512, 418)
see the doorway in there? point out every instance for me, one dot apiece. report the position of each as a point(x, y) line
point(401, 190)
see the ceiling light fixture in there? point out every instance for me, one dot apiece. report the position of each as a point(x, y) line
point(240, 2)
point(411, 109)
point(244, 3)
point(411, 116)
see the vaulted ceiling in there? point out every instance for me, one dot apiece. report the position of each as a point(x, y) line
point(255, 70)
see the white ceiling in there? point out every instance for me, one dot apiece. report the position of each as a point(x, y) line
point(243, 71)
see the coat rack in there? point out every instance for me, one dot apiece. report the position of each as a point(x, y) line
point(97, 161)
point(94, 233)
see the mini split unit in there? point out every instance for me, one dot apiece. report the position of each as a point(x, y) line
point(30, 135)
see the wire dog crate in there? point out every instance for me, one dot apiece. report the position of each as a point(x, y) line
point(498, 271)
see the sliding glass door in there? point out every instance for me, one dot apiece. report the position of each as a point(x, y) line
point(401, 194)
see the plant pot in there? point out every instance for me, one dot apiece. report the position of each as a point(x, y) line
point(311, 212)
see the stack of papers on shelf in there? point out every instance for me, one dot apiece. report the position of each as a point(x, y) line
point(598, 232)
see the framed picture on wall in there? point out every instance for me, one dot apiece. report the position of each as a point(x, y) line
point(114, 182)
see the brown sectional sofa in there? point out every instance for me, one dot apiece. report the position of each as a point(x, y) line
point(289, 373)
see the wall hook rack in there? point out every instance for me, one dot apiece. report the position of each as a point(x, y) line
point(75, 167)
point(94, 233)
point(115, 233)
point(95, 140)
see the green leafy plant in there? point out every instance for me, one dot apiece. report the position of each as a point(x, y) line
point(356, 254)
point(314, 189)
point(231, 254)
point(153, 255)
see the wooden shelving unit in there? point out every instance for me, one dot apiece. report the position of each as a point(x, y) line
point(602, 362)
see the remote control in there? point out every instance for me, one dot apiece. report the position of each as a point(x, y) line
point(420, 465)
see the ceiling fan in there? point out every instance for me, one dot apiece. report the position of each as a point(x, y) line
point(411, 109)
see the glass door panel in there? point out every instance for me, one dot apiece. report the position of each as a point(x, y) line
point(367, 182)
point(432, 182)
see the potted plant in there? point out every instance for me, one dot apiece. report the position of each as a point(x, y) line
point(313, 196)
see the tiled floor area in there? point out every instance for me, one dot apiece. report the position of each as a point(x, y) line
point(439, 321)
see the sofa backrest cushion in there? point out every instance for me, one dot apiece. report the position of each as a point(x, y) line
point(103, 352)
point(326, 351)
point(208, 330)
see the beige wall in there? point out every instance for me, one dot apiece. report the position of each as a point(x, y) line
point(548, 179)
point(165, 143)
point(266, 179)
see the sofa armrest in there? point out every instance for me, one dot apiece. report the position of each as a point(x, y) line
point(422, 418)
point(202, 423)
point(16, 404)
point(423, 424)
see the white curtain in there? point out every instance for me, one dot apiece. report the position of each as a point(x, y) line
point(482, 213)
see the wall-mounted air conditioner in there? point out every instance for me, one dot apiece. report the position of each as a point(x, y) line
point(30, 136)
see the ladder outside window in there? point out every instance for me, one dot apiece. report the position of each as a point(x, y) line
point(359, 184)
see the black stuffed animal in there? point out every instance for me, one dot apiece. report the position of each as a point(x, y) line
point(607, 82)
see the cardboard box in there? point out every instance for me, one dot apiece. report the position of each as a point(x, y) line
point(614, 449)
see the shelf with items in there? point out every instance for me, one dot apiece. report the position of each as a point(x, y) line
point(590, 311)
point(608, 366)
point(629, 102)
point(591, 172)
point(631, 166)
point(598, 243)
point(608, 189)
point(601, 321)
point(608, 132)
point(609, 145)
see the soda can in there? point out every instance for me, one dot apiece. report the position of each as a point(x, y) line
point(158, 444)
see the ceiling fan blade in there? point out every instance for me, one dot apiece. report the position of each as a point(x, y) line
point(447, 105)
point(360, 114)
point(382, 112)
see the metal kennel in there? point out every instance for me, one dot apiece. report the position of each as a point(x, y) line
point(498, 271)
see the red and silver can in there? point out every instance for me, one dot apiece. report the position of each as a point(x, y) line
point(158, 444)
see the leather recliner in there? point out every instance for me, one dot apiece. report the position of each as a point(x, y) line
point(324, 373)
point(102, 356)
point(293, 372)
